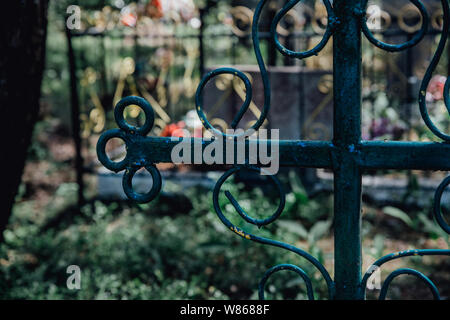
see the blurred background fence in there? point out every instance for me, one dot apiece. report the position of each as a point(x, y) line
point(159, 50)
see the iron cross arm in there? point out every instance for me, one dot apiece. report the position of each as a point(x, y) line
point(307, 154)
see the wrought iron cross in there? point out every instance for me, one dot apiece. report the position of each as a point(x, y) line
point(347, 155)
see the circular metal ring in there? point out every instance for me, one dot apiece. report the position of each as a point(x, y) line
point(245, 15)
point(437, 20)
point(429, 74)
point(127, 183)
point(282, 267)
point(145, 106)
point(315, 19)
point(437, 205)
point(383, 15)
point(101, 150)
point(297, 24)
point(325, 84)
point(217, 122)
point(408, 9)
point(387, 19)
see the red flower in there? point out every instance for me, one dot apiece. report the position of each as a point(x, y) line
point(155, 9)
point(174, 130)
point(129, 20)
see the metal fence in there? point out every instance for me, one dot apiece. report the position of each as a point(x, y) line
point(120, 66)
point(347, 154)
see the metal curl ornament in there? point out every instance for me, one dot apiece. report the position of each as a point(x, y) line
point(128, 134)
point(332, 23)
point(429, 74)
point(242, 213)
point(264, 76)
point(396, 47)
point(244, 15)
point(249, 236)
point(437, 205)
point(412, 272)
point(281, 267)
point(242, 110)
point(395, 256)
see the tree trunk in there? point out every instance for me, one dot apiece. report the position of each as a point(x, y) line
point(23, 28)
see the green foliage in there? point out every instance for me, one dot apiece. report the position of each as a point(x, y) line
point(143, 252)
point(432, 228)
point(149, 251)
point(153, 252)
point(399, 214)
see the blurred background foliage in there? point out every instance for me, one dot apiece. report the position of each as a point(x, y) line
point(164, 250)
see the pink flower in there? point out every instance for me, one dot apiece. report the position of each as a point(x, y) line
point(129, 20)
point(435, 90)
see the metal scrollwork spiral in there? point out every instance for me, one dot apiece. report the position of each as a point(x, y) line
point(128, 133)
point(281, 267)
point(234, 202)
point(409, 253)
point(332, 23)
point(131, 164)
point(402, 46)
point(266, 85)
point(418, 36)
point(262, 222)
point(244, 78)
point(437, 205)
point(242, 20)
point(412, 272)
point(393, 256)
point(429, 73)
point(424, 112)
point(243, 109)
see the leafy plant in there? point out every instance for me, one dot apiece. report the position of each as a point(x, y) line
point(399, 214)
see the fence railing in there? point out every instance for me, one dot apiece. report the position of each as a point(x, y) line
point(347, 155)
point(96, 85)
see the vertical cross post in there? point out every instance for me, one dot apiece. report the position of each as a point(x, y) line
point(347, 137)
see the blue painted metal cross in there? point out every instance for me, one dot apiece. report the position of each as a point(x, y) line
point(347, 155)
